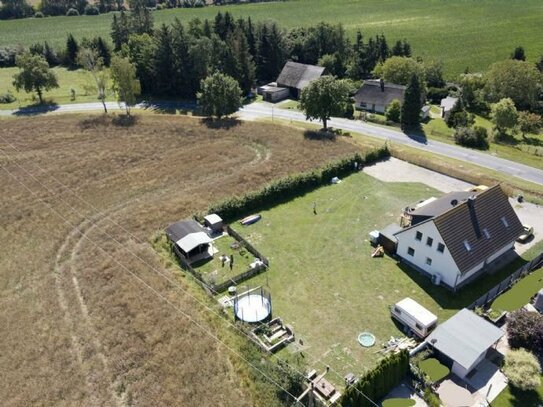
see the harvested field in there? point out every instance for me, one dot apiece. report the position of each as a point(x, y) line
point(84, 312)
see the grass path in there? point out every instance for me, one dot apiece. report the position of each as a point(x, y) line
point(460, 32)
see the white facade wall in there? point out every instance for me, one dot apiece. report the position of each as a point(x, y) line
point(459, 370)
point(442, 263)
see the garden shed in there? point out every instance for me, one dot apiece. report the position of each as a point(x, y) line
point(191, 239)
point(213, 222)
point(464, 341)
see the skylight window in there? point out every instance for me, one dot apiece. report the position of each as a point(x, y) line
point(467, 245)
point(504, 221)
point(486, 233)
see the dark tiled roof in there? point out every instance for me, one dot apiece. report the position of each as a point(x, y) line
point(470, 220)
point(296, 75)
point(177, 231)
point(371, 93)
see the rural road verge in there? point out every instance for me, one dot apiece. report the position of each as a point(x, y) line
point(265, 110)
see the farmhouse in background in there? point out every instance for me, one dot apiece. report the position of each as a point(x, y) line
point(456, 238)
point(464, 341)
point(447, 105)
point(191, 240)
point(375, 95)
point(292, 79)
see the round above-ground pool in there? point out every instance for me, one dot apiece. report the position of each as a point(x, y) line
point(252, 308)
point(366, 339)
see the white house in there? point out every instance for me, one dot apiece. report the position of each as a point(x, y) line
point(464, 341)
point(447, 104)
point(456, 238)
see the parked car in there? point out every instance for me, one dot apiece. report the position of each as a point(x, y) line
point(528, 233)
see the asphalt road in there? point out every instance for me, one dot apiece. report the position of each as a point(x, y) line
point(266, 110)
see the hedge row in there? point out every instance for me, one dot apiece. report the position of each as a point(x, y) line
point(292, 186)
point(378, 382)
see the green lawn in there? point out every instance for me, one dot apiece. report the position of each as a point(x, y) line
point(213, 270)
point(520, 294)
point(399, 402)
point(460, 32)
point(512, 397)
point(434, 369)
point(519, 151)
point(78, 80)
point(325, 284)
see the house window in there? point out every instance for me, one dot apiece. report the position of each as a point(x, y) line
point(467, 245)
point(428, 261)
point(440, 247)
point(418, 236)
point(419, 326)
point(486, 233)
point(410, 251)
point(397, 310)
point(504, 221)
point(429, 242)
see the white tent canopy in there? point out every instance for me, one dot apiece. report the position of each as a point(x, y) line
point(193, 240)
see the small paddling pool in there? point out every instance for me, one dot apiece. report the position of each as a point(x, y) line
point(366, 339)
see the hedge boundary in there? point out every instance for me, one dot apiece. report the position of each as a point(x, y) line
point(292, 186)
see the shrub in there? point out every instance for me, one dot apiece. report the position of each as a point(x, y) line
point(522, 369)
point(431, 398)
point(72, 12)
point(476, 137)
point(8, 55)
point(91, 10)
point(7, 97)
point(38, 14)
point(393, 111)
point(434, 95)
point(525, 330)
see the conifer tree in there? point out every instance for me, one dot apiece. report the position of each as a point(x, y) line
point(410, 117)
point(72, 48)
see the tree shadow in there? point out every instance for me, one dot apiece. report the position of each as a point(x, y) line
point(93, 122)
point(507, 139)
point(533, 141)
point(169, 107)
point(521, 398)
point(224, 124)
point(36, 109)
point(416, 134)
point(320, 135)
point(124, 120)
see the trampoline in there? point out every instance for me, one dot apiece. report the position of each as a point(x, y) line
point(252, 308)
point(366, 339)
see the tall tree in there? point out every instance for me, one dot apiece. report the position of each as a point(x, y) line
point(34, 75)
point(72, 48)
point(219, 96)
point(163, 64)
point(90, 60)
point(120, 30)
point(323, 98)
point(504, 115)
point(183, 81)
point(141, 19)
point(399, 70)
point(125, 83)
point(410, 117)
point(141, 52)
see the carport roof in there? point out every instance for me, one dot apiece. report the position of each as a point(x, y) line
point(193, 240)
point(464, 337)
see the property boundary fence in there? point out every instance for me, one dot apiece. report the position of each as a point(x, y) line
point(504, 285)
point(247, 245)
point(212, 288)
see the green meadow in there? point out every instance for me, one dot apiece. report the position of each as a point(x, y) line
point(462, 33)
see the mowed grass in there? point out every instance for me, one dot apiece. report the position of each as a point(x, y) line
point(79, 80)
point(462, 33)
point(434, 369)
point(86, 192)
point(512, 397)
point(520, 294)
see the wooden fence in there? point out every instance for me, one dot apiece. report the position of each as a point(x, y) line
point(247, 245)
point(504, 285)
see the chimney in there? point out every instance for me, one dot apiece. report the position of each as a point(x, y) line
point(473, 216)
point(382, 83)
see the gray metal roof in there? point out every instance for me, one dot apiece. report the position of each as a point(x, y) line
point(372, 92)
point(464, 337)
point(296, 75)
point(177, 231)
point(441, 205)
point(448, 103)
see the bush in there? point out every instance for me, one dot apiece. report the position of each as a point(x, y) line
point(38, 14)
point(522, 369)
point(434, 95)
point(91, 10)
point(393, 111)
point(525, 330)
point(431, 398)
point(7, 97)
point(8, 54)
point(294, 185)
point(72, 12)
point(476, 137)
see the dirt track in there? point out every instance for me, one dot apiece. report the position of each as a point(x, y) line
point(80, 199)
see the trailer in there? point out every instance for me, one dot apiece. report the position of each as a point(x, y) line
point(414, 316)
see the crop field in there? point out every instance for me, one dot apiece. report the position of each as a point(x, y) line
point(462, 33)
point(83, 295)
point(324, 282)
